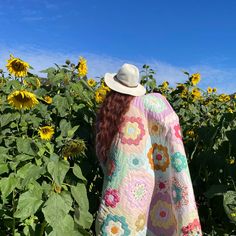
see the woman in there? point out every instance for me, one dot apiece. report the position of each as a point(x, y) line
point(147, 188)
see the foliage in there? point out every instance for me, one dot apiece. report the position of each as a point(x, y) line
point(50, 180)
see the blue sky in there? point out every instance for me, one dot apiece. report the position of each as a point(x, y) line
point(170, 35)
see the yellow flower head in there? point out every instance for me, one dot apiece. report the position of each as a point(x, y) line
point(32, 82)
point(17, 67)
point(190, 133)
point(184, 93)
point(105, 87)
point(209, 90)
point(82, 67)
point(46, 132)
point(22, 99)
point(180, 87)
point(195, 78)
point(224, 98)
point(100, 95)
point(91, 82)
point(48, 99)
point(214, 90)
point(196, 93)
point(165, 84)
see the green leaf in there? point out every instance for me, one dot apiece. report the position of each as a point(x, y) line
point(26, 145)
point(79, 193)
point(229, 203)
point(72, 131)
point(29, 203)
point(83, 218)
point(61, 104)
point(3, 168)
point(58, 170)
point(30, 172)
point(78, 173)
point(65, 227)
point(64, 127)
point(57, 207)
point(5, 119)
point(48, 70)
point(82, 215)
point(8, 184)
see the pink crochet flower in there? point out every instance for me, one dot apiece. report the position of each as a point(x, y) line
point(177, 131)
point(132, 130)
point(111, 197)
point(193, 228)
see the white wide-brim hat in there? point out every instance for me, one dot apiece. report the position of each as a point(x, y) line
point(126, 81)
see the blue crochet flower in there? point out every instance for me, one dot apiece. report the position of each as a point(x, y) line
point(153, 103)
point(178, 161)
point(178, 193)
point(110, 222)
point(135, 162)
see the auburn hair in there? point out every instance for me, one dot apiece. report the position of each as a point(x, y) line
point(108, 120)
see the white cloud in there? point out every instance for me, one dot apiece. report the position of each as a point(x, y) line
point(98, 65)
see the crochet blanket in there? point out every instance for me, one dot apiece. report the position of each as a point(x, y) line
point(147, 188)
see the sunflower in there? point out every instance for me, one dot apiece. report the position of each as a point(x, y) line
point(195, 78)
point(100, 95)
point(165, 84)
point(214, 90)
point(105, 87)
point(184, 93)
point(224, 98)
point(82, 67)
point(180, 87)
point(190, 133)
point(209, 90)
point(74, 148)
point(46, 132)
point(48, 99)
point(91, 82)
point(32, 82)
point(22, 99)
point(17, 67)
point(196, 93)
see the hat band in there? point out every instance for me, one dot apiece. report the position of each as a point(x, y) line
point(116, 79)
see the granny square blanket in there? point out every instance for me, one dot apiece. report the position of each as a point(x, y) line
point(147, 188)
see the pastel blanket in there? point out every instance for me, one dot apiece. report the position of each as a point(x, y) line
point(147, 188)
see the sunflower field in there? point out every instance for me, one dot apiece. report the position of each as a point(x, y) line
point(50, 178)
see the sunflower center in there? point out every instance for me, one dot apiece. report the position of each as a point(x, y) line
point(18, 66)
point(22, 99)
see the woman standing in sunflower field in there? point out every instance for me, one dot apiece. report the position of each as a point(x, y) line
point(147, 188)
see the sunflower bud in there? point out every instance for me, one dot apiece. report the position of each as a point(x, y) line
point(68, 62)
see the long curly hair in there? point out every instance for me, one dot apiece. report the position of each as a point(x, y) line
point(108, 119)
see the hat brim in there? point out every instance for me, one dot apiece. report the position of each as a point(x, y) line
point(115, 85)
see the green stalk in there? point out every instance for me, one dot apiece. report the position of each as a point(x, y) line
point(42, 229)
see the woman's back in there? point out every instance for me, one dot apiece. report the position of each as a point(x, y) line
point(147, 188)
